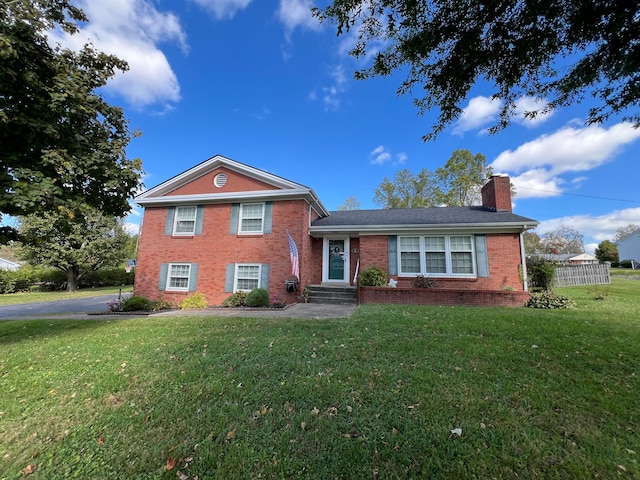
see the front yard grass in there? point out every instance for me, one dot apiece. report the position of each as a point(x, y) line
point(535, 394)
point(32, 297)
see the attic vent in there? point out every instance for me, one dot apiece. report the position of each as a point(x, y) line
point(220, 180)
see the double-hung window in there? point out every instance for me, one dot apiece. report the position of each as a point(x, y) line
point(185, 221)
point(247, 277)
point(251, 218)
point(437, 255)
point(178, 277)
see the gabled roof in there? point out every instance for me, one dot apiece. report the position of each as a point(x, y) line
point(635, 233)
point(272, 187)
point(421, 219)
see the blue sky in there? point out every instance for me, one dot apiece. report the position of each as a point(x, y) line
point(263, 83)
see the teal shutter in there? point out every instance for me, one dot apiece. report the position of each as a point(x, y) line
point(235, 211)
point(393, 254)
point(199, 217)
point(164, 271)
point(193, 277)
point(168, 227)
point(264, 276)
point(228, 280)
point(481, 256)
point(268, 217)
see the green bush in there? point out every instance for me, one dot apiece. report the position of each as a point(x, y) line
point(373, 277)
point(541, 274)
point(111, 277)
point(195, 300)
point(548, 300)
point(258, 297)
point(238, 299)
point(136, 303)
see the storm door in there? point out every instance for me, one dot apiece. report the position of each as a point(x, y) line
point(336, 260)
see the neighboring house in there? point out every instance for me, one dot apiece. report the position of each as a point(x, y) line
point(223, 226)
point(569, 258)
point(8, 265)
point(629, 247)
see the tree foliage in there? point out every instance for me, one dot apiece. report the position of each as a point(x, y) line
point(457, 183)
point(560, 50)
point(76, 243)
point(350, 203)
point(564, 239)
point(61, 143)
point(607, 251)
point(532, 243)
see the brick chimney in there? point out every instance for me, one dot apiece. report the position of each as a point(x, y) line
point(496, 194)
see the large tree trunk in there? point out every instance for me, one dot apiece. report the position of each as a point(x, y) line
point(73, 274)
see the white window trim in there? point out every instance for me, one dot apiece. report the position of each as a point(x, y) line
point(448, 262)
point(235, 276)
point(168, 286)
point(240, 213)
point(175, 221)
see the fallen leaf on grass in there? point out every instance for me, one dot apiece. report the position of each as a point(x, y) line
point(182, 476)
point(171, 463)
point(29, 469)
point(315, 411)
point(622, 468)
point(303, 425)
point(456, 432)
point(351, 434)
point(231, 434)
point(394, 431)
point(100, 440)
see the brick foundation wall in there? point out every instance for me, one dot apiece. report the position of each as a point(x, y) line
point(439, 296)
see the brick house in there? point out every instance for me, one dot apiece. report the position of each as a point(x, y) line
point(224, 226)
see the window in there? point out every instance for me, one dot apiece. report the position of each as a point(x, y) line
point(178, 276)
point(247, 277)
point(251, 217)
point(185, 221)
point(437, 255)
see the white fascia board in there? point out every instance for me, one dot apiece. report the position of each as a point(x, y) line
point(368, 230)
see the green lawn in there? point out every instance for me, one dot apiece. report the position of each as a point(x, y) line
point(536, 394)
point(32, 297)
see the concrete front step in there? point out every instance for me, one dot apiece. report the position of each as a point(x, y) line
point(334, 294)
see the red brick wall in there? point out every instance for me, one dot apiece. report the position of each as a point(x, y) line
point(504, 263)
point(438, 296)
point(235, 183)
point(496, 194)
point(216, 247)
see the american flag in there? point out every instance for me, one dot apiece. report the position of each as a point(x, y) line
point(295, 267)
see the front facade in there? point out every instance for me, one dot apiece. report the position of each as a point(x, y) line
point(223, 226)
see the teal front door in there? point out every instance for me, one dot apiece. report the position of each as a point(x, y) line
point(336, 260)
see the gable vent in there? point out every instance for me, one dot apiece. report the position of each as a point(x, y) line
point(220, 180)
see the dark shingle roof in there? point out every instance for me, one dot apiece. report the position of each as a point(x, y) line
point(420, 216)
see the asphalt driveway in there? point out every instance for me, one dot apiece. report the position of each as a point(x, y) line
point(72, 306)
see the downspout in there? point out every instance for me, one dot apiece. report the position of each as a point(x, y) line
point(523, 259)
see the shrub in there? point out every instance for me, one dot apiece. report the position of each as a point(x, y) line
point(258, 297)
point(238, 299)
point(420, 281)
point(541, 273)
point(277, 302)
point(195, 300)
point(548, 300)
point(158, 305)
point(373, 277)
point(136, 303)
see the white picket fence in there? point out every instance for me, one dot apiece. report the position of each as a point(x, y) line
point(588, 274)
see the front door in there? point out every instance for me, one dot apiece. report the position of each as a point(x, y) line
point(336, 260)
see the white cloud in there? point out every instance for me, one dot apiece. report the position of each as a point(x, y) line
point(297, 13)
point(331, 95)
point(479, 112)
point(540, 162)
point(380, 155)
point(596, 227)
point(132, 30)
point(530, 104)
point(223, 9)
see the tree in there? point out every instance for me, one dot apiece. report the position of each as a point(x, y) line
point(460, 179)
point(407, 190)
point(560, 50)
point(61, 143)
point(76, 243)
point(532, 243)
point(350, 203)
point(607, 251)
point(563, 239)
point(624, 231)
